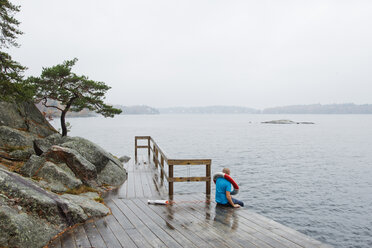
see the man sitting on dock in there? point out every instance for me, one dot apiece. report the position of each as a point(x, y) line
point(223, 189)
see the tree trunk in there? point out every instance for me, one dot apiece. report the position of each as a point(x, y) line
point(63, 115)
point(63, 123)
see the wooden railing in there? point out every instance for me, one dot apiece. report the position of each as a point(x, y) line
point(160, 159)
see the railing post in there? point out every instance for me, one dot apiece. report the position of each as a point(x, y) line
point(170, 184)
point(156, 157)
point(148, 146)
point(208, 174)
point(162, 168)
point(135, 149)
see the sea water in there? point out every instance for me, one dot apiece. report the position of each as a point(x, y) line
point(315, 178)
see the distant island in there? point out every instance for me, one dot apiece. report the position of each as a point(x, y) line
point(210, 110)
point(346, 108)
point(137, 110)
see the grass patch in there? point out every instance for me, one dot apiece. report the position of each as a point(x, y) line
point(14, 166)
point(36, 178)
point(9, 148)
point(80, 190)
point(99, 199)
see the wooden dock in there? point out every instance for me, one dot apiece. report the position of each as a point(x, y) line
point(192, 221)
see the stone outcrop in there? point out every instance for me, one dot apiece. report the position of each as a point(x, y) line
point(81, 167)
point(25, 116)
point(57, 179)
point(30, 216)
point(92, 152)
point(48, 182)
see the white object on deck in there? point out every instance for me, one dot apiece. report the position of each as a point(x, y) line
point(158, 202)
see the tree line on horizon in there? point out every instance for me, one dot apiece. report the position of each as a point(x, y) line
point(346, 108)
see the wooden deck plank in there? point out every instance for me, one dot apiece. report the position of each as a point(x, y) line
point(139, 225)
point(130, 186)
point(179, 224)
point(81, 237)
point(107, 234)
point(285, 235)
point(281, 230)
point(165, 225)
point(258, 236)
point(138, 186)
point(93, 235)
point(119, 232)
point(200, 227)
point(122, 191)
point(119, 216)
point(159, 232)
point(68, 240)
point(190, 222)
point(153, 187)
point(127, 226)
point(138, 239)
point(198, 210)
point(145, 185)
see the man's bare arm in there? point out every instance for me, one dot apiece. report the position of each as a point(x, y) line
point(228, 196)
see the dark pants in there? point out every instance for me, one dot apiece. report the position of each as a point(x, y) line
point(235, 201)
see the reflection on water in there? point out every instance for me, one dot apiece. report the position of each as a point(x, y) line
point(313, 178)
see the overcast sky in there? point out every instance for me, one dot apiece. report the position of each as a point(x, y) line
point(207, 52)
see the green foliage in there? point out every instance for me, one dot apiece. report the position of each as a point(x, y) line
point(8, 24)
point(11, 77)
point(11, 72)
point(74, 92)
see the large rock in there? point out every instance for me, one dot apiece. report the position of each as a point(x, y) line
point(13, 138)
point(112, 175)
point(57, 179)
point(34, 199)
point(30, 168)
point(89, 204)
point(25, 116)
point(31, 216)
point(19, 229)
point(92, 152)
point(81, 167)
point(43, 145)
point(17, 144)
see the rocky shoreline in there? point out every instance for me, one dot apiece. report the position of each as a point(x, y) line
point(48, 183)
point(286, 122)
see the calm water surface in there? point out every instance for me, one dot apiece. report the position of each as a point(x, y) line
point(316, 179)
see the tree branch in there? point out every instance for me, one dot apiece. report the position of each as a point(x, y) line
point(45, 100)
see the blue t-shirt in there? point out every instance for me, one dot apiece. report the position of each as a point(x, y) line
point(222, 185)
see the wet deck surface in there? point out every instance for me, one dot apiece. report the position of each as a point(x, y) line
point(193, 221)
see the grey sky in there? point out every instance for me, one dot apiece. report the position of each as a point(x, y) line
point(207, 52)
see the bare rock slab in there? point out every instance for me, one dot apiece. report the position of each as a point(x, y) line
point(81, 167)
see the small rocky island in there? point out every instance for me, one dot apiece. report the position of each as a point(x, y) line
point(286, 122)
point(48, 182)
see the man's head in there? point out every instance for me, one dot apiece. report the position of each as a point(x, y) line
point(226, 171)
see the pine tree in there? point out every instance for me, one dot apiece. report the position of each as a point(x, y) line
point(11, 72)
point(73, 92)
